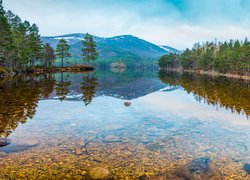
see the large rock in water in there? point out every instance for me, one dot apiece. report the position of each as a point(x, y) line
point(99, 173)
point(199, 169)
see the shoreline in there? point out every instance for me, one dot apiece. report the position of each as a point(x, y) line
point(37, 70)
point(210, 73)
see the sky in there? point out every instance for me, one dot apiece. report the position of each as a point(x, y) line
point(178, 23)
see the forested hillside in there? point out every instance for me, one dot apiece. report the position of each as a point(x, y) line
point(226, 57)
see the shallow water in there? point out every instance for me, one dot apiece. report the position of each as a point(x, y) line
point(62, 125)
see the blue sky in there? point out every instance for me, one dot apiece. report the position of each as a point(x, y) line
point(179, 23)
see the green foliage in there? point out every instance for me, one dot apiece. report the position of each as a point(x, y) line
point(232, 57)
point(20, 42)
point(62, 50)
point(6, 42)
point(48, 55)
point(89, 48)
point(168, 61)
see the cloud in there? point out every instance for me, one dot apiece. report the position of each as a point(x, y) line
point(179, 23)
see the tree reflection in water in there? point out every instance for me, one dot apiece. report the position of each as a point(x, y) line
point(233, 94)
point(62, 87)
point(19, 98)
point(88, 88)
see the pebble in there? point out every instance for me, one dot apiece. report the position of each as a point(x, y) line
point(127, 103)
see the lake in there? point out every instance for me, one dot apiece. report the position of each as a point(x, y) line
point(62, 125)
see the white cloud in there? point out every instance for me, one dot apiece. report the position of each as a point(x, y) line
point(158, 21)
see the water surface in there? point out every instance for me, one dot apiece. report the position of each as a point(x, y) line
point(62, 125)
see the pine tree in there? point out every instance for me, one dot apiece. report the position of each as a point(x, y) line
point(35, 44)
point(62, 50)
point(6, 42)
point(89, 48)
point(48, 55)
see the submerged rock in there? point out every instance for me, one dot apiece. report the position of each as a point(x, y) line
point(127, 103)
point(154, 146)
point(113, 127)
point(30, 142)
point(246, 167)
point(78, 151)
point(198, 169)
point(2, 154)
point(161, 177)
point(4, 142)
point(15, 148)
point(99, 173)
point(24, 145)
point(112, 139)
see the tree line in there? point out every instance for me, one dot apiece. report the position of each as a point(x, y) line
point(224, 57)
point(21, 47)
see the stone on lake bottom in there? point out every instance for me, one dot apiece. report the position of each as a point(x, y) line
point(112, 139)
point(13, 148)
point(201, 168)
point(127, 103)
point(2, 154)
point(161, 177)
point(78, 151)
point(30, 142)
point(246, 167)
point(4, 142)
point(113, 127)
point(99, 173)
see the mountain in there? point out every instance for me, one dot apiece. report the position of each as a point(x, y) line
point(126, 47)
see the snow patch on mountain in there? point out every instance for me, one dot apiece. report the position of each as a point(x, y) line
point(69, 38)
point(170, 49)
point(166, 49)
